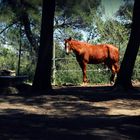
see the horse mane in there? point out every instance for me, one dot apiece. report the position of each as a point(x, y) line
point(80, 43)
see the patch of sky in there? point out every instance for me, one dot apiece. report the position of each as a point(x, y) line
point(111, 7)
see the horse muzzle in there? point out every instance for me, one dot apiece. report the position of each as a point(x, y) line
point(67, 53)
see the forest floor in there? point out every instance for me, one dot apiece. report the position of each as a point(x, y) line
point(85, 113)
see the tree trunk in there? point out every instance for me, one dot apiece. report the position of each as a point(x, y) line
point(42, 79)
point(126, 70)
point(24, 18)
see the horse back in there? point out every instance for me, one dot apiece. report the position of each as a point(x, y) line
point(102, 52)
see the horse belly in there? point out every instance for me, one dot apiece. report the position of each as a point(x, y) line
point(96, 61)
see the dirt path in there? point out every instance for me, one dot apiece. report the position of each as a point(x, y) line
point(71, 113)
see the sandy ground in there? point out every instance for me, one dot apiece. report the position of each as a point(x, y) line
point(71, 113)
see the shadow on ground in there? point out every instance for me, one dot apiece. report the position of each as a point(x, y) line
point(68, 113)
point(41, 127)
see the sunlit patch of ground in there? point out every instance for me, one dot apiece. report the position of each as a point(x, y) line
point(69, 106)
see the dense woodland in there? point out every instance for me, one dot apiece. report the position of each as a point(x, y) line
point(23, 27)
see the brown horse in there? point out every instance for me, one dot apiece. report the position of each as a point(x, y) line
point(94, 54)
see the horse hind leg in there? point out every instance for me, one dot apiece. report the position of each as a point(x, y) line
point(112, 78)
point(117, 67)
point(114, 69)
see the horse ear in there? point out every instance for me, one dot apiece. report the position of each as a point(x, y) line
point(65, 40)
point(69, 38)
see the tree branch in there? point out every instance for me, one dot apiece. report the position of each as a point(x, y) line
point(7, 27)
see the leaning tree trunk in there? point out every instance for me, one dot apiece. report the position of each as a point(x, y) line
point(42, 79)
point(24, 18)
point(126, 70)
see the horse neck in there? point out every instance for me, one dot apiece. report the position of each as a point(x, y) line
point(75, 46)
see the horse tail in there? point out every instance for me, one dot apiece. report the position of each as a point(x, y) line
point(108, 52)
point(113, 53)
point(113, 57)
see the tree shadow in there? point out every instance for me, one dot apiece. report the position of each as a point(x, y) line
point(68, 113)
point(99, 93)
point(31, 126)
point(90, 94)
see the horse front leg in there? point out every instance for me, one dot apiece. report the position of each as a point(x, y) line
point(85, 81)
point(83, 64)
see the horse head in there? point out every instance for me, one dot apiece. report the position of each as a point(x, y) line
point(68, 48)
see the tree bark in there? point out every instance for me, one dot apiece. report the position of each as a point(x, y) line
point(24, 18)
point(126, 70)
point(42, 79)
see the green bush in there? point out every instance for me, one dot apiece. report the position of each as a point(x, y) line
point(9, 60)
point(136, 71)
